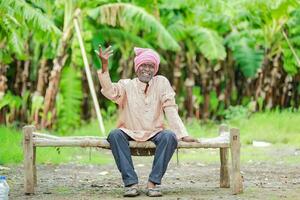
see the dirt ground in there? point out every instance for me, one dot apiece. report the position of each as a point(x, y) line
point(188, 180)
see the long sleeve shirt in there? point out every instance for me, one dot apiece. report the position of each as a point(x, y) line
point(141, 115)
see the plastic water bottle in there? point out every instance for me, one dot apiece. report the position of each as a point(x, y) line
point(4, 188)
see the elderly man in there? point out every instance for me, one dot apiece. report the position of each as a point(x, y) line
point(142, 103)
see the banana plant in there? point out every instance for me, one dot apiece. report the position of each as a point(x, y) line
point(58, 63)
point(20, 22)
point(134, 17)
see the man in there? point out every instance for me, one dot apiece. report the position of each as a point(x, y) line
point(142, 103)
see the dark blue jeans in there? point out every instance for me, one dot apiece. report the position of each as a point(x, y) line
point(165, 142)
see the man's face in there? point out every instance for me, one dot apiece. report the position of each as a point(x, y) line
point(145, 72)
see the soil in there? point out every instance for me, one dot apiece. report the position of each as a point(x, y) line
point(188, 180)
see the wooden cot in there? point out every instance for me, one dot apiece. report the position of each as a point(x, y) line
point(227, 139)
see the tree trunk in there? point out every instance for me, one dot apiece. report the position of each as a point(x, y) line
point(51, 92)
point(177, 72)
point(42, 77)
point(18, 78)
point(189, 83)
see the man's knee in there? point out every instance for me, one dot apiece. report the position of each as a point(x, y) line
point(115, 135)
point(169, 136)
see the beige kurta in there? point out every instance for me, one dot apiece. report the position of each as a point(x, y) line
point(141, 115)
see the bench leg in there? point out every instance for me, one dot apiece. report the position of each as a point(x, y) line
point(34, 166)
point(29, 159)
point(237, 185)
point(224, 174)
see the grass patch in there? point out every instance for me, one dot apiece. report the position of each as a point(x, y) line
point(279, 128)
point(10, 149)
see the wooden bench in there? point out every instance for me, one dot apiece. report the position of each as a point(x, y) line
point(227, 139)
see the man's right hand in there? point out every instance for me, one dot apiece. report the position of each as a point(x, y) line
point(104, 56)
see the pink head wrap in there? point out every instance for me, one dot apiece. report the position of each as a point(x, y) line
point(144, 55)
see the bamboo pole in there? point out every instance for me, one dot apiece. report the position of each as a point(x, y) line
point(224, 174)
point(237, 185)
point(29, 160)
point(88, 73)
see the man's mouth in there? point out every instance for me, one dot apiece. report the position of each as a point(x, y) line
point(146, 74)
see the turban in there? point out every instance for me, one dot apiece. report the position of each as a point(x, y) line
point(144, 55)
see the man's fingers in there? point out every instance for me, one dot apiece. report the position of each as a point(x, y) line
point(107, 49)
point(190, 139)
point(109, 55)
point(110, 52)
point(97, 52)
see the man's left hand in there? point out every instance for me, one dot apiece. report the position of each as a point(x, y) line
point(189, 139)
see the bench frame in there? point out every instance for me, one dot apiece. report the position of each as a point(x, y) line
point(228, 139)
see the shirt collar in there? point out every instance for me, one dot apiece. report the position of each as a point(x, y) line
point(141, 85)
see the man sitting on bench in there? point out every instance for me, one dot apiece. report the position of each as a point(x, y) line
point(142, 103)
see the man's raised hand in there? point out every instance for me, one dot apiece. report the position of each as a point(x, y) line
point(104, 56)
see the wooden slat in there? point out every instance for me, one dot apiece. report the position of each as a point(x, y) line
point(102, 143)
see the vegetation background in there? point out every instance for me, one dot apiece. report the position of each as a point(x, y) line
point(231, 61)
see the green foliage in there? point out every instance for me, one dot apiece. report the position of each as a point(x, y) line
point(290, 61)
point(69, 100)
point(248, 57)
point(134, 18)
point(260, 102)
point(236, 112)
point(209, 43)
point(37, 103)
point(11, 145)
point(252, 31)
point(34, 17)
point(12, 102)
point(271, 126)
point(213, 101)
point(110, 112)
point(197, 95)
point(119, 36)
point(17, 19)
point(76, 53)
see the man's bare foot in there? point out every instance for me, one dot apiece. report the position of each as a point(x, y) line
point(150, 185)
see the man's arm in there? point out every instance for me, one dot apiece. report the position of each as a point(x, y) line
point(177, 125)
point(112, 91)
point(170, 108)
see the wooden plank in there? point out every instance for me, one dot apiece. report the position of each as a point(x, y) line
point(237, 185)
point(102, 143)
point(42, 135)
point(29, 163)
point(224, 172)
